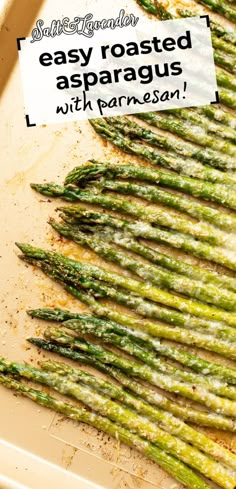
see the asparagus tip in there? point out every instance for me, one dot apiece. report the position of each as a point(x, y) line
point(36, 186)
point(51, 222)
point(30, 312)
point(37, 341)
point(65, 208)
point(30, 251)
point(21, 246)
point(35, 313)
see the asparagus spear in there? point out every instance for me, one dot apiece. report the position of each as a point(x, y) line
point(217, 114)
point(227, 81)
point(144, 230)
point(168, 333)
point(153, 311)
point(160, 276)
point(194, 209)
point(231, 1)
point(107, 224)
point(224, 60)
point(176, 334)
point(169, 142)
point(220, 7)
point(222, 31)
point(227, 35)
point(172, 465)
point(79, 215)
point(202, 121)
point(227, 97)
point(156, 8)
point(97, 170)
point(124, 338)
point(154, 398)
point(162, 12)
point(166, 421)
point(157, 216)
point(143, 346)
point(169, 383)
point(226, 348)
point(185, 167)
point(141, 306)
point(78, 269)
point(222, 45)
point(201, 249)
point(183, 357)
point(187, 132)
point(216, 5)
point(155, 275)
point(176, 239)
point(188, 413)
point(146, 309)
point(130, 420)
point(218, 29)
point(154, 215)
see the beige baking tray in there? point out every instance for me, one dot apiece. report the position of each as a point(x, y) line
point(39, 449)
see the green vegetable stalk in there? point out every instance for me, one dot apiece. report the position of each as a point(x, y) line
point(184, 411)
point(173, 466)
